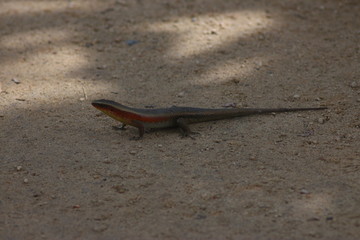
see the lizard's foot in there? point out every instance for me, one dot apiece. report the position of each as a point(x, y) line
point(190, 134)
point(121, 127)
point(134, 138)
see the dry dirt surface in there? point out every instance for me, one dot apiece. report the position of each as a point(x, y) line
point(66, 174)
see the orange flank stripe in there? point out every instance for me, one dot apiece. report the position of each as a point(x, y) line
point(137, 117)
point(129, 116)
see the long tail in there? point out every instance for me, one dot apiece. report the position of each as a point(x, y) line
point(252, 111)
point(218, 114)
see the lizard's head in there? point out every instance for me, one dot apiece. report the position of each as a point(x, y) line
point(112, 109)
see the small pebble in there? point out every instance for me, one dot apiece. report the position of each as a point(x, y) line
point(296, 96)
point(101, 67)
point(120, 189)
point(82, 99)
point(131, 42)
point(353, 85)
point(181, 94)
point(304, 191)
point(118, 40)
point(18, 168)
point(26, 180)
point(321, 120)
point(15, 80)
point(229, 105)
point(132, 152)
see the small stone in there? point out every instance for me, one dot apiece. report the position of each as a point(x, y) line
point(118, 40)
point(230, 105)
point(101, 67)
point(131, 42)
point(15, 80)
point(132, 152)
point(296, 96)
point(26, 180)
point(304, 191)
point(18, 168)
point(181, 94)
point(353, 85)
point(321, 120)
point(252, 158)
point(120, 189)
point(82, 99)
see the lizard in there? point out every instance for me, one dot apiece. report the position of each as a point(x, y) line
point(178, 116)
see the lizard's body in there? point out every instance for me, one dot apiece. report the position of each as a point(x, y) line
point(177, 116)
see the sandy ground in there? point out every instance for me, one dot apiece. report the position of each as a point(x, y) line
point(66, 174)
